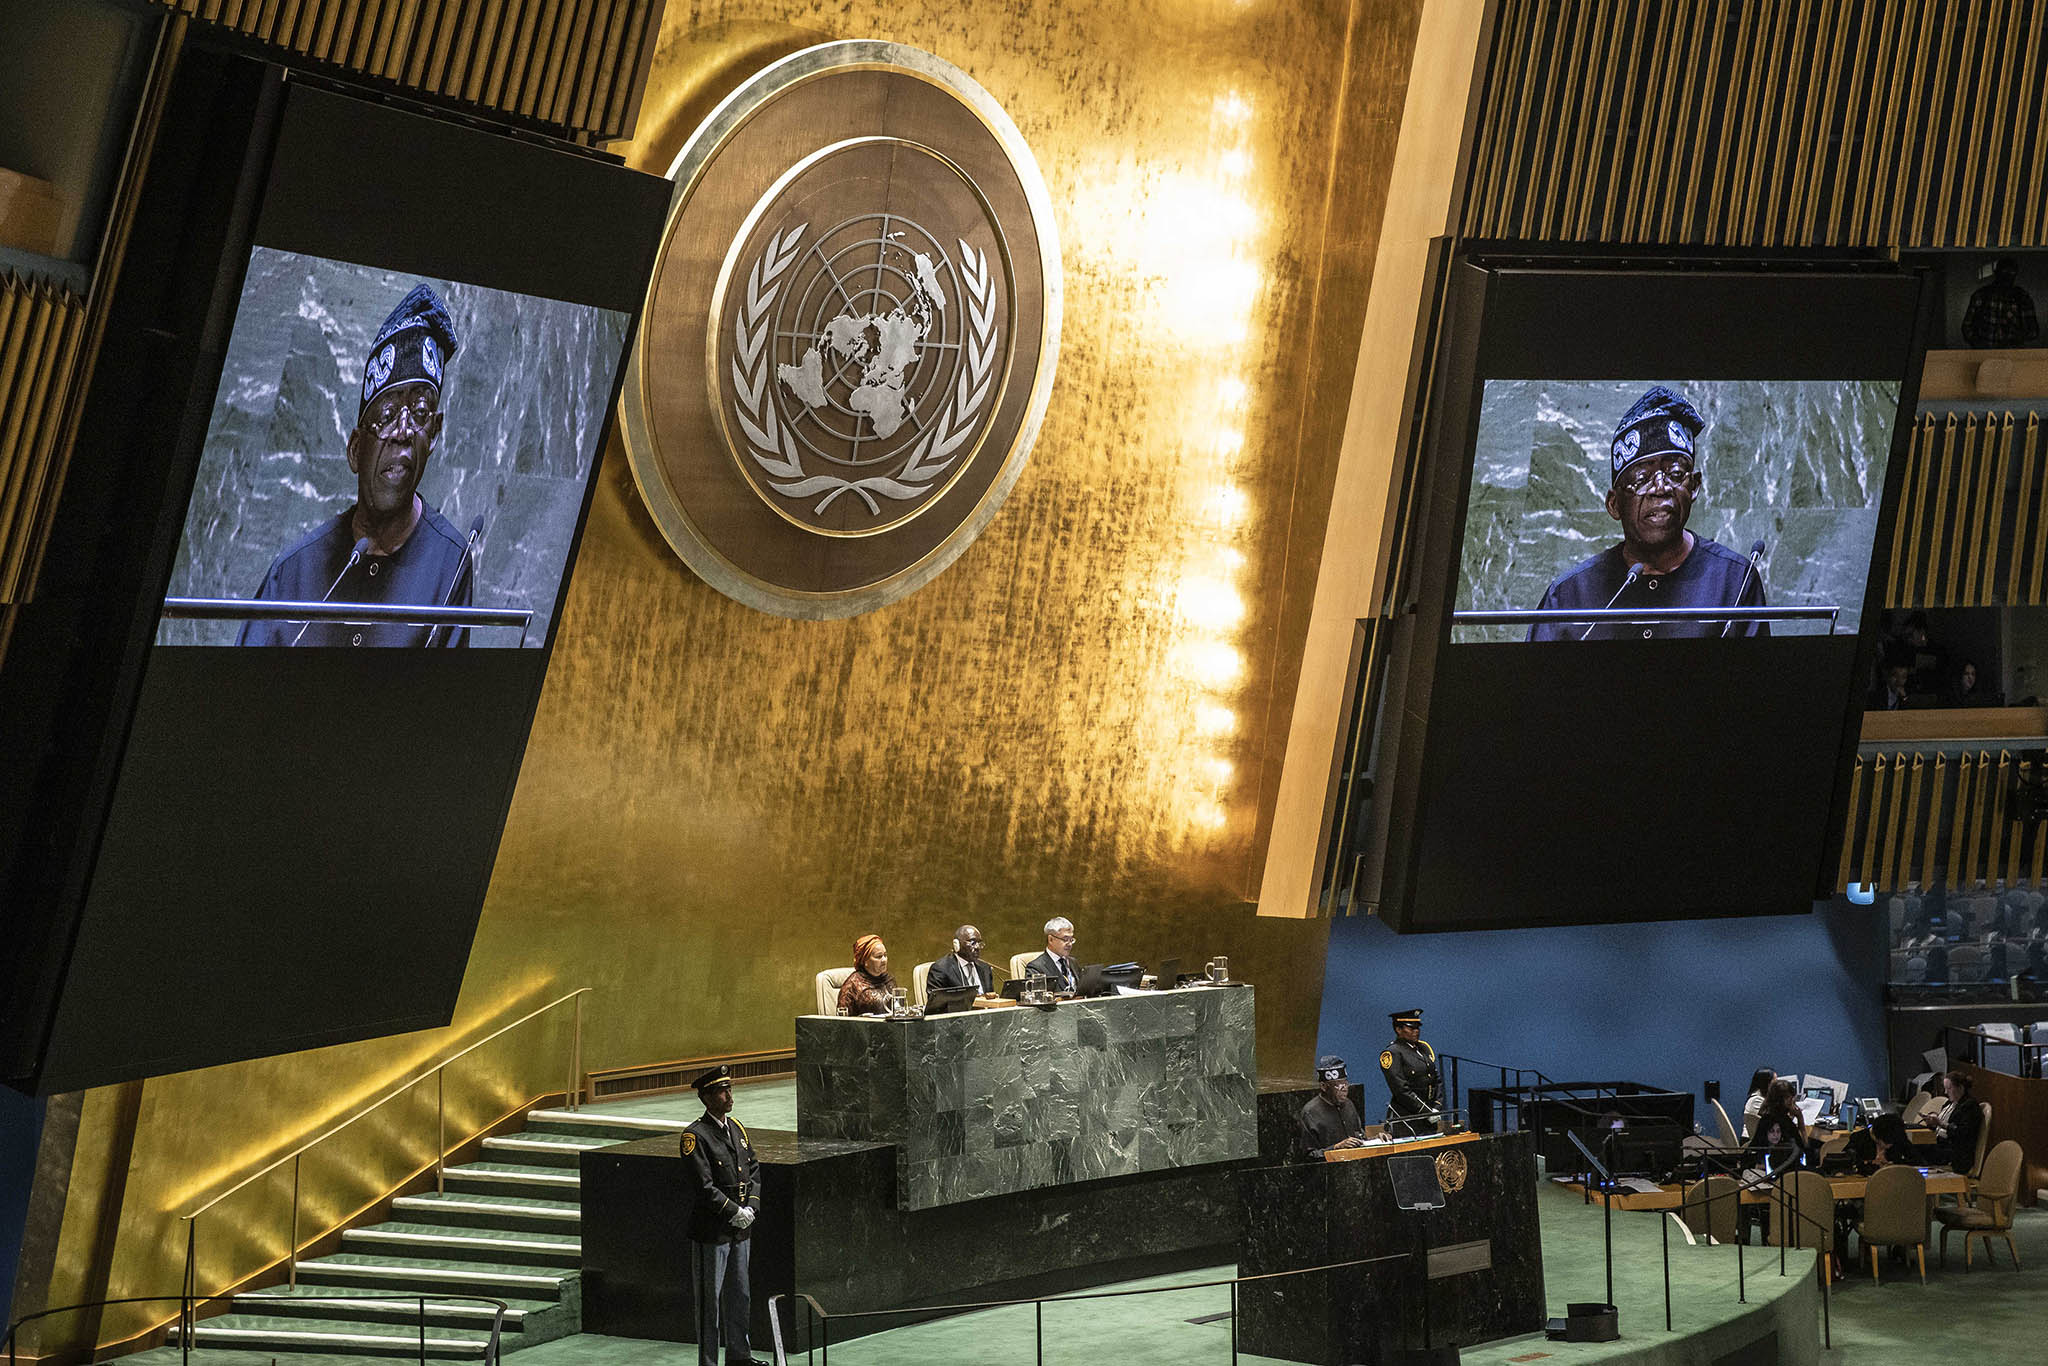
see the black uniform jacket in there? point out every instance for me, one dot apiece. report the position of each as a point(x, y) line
point(946, 972)
point(1067, 978)
point(1414, 1086)
point(1324, 1125)
point(728, 1175)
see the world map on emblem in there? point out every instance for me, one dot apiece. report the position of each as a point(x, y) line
point(863, 366)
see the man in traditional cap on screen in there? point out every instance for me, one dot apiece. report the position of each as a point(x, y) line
point(1330, 1120)
point(1415, 1088)
point(390, 546)
point(1658, 563)
point(728, 1180)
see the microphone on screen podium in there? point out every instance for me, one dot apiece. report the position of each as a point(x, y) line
point(462, 566)
point(1756, 556)
point(355, 557)
point(1635, 571)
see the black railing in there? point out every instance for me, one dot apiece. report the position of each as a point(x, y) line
point(1976, 1047)
point(817, 1321)
point(188, 1316)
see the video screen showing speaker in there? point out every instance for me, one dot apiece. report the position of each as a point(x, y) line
point(387, 348)
point(1660, 509)
point(1651, 511)
point(406, 457)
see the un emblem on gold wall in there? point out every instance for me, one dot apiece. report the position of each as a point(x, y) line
point(851, 331)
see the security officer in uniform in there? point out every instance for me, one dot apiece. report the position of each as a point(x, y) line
point(1415, 1088)
point(728, 1179)
point(390, 546)
point(1330, 1120)
point(1657, 562)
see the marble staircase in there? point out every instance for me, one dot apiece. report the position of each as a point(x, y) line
point(507, 1226)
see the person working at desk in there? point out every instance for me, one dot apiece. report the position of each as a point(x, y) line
point(1759, 1083)
point(963, 967)
point(870, 990)
point(1330, 1120)
point(1056, 964)
point(1778, 1129)
point(1958, 1124)
point(1415, 1088)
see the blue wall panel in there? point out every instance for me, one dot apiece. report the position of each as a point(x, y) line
point(1671, 1004)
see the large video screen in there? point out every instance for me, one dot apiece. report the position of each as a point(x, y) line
point(1649, 514)
point(411, 445)
point(333, 474)
point(1636, 509)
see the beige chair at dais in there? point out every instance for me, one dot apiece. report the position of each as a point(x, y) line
point(1895, 1214)
point(1714, 1207)
point(1017, 962)
point(1989, 1215)
point(918, 977)
point(829, 982)
point(1728, 1136)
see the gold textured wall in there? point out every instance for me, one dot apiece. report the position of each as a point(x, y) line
point(1084, 716)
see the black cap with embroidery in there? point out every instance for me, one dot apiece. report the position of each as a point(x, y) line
point(1330, 1067)
point(414, 345)
point(1661, 423)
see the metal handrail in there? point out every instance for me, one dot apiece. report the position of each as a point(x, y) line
point(389, 1096)
point(572, 1093)
point(187, 1319)
point(1039, 1302)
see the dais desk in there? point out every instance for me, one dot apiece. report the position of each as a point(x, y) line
point(1844, 1187)
point(994, 1102)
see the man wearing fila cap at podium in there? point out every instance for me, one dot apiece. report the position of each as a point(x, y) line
point(1415, 1088)
point(728, 1178)
point(1657, 563)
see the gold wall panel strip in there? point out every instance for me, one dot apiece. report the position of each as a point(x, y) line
point(1848, 861)
point(1994, 855)
point(1958, 859)
point(1867, 862)
point(1977, 475)
point(2015, 157)
point(1510, 66)
point(1737, 99)
point(1806, 180)
point(38, 336)
point(1989, 590)
point(1549, 146)
point(1651, 120)
point(2038, 547)
point(1938, 520)
point(1767, 180)
point(1896, 573)
point(1945, 100)
point(1990, 69)
point(1601, 151)
point(2017, 836)
point(2014, 547)
point(1895, 798)
point(1937, 798)
point(1904, 874)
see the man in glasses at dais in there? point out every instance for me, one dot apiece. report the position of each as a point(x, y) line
point(390, 545)
point(1657, 563)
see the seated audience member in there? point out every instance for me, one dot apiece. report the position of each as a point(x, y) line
point(1883, 1144)
point(871, 990)
point(1759, 1082)
point(1329, 1120)
point(1957, 1125)
point(1778, 1129)
point(963, 966)
point(1890, 692)
point(1969, 689)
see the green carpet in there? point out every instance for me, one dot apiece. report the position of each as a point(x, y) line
point(756, 1104)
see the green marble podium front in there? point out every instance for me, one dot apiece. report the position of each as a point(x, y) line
point(992, 1102)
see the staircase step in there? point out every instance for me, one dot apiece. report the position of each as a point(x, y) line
point(358, 1304)
point(464, 1209)
point(598, 1124)
point(487, 1245)
point(543, 1149)
point(514, 1178)
point(258, 1333)
point(414, 1274)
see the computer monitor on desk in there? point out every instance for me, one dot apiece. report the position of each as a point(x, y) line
point(946, 1000)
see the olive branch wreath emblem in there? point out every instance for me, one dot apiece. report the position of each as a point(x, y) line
point(773, 446)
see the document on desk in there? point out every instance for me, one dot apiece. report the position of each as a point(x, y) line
point(1639, 1185)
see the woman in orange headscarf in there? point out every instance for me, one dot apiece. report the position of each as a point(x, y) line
point(870, 990)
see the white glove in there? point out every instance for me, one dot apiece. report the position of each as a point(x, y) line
point(744, 1218)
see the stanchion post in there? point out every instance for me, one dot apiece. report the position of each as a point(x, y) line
point(292, 1252)
point(440, 1130)
point(1038, 1329)
point(1233, 1321)
point(1664, 1237)
point(423, 1330)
